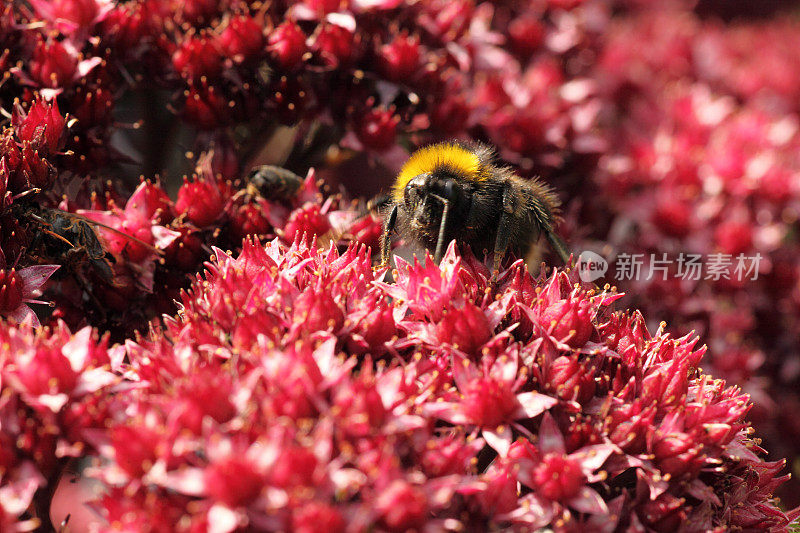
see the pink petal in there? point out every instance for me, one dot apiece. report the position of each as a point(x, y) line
point(593, 457)
point(588, 501)
point(137, 203)
point(105, 217)
point(649, 481)
point(344, 20)
point(16, 496)
point(499, 441)
point(532, 511)
point(94, 380)
point(301, 11)
point(76, 350)
point(23, 314)
point(703, 492)
point(163, 236)
point(221, 519)
point(189, 480)
point(117, 356)
point(550, 438)
point(440, 490)
point(34, 278)
point(464, 371)
point(447, 411)
point(54, 402)
point(534, 404)
point(43, 8)
point(365, 5)
point(86, 66)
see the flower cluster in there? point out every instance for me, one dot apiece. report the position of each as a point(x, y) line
point(56, 389)
point(296, 390)
point(704, 160)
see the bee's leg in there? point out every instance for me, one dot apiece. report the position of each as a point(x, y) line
point(503, 230)
point(442, 227)
point(557, 244)
point(386, 244)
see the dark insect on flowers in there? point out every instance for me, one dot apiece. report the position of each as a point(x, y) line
point(455, 190)
point(275, 183)
point(69, 239)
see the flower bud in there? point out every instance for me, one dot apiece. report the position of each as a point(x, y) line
point(287, 44)
point(242, 39)
point(196, 57)
point(200, 201)
point(399, 59)
point(402, 507)
point(377, 129)
point(306, 220)
point(10, 291)
point(52, 65)
point(42, 125)
point(570, 321)
point(467, 329)
point(571, 380)
point(234, 481)
point(558, 478)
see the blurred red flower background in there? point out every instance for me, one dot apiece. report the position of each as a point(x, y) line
point(194, 378)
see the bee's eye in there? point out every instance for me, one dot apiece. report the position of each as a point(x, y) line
point(414, 187)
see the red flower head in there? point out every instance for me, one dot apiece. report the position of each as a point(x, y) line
point(73, 17)
point(197, 57)
point(315, 516)
point(205, 107)
point(233, 480)
point(137, 233)
point(400, 59)
point(336, 40)
point(42, 125)
point(402, 506)
point(250, 219)
point(377, 129)
point(54, 65)
point(242, 39)
point(287, 44)
point(307, 220)
point(200, 200)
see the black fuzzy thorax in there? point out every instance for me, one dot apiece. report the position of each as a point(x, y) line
point(475, 211)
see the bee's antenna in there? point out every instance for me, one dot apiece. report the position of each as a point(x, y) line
point(442, 226)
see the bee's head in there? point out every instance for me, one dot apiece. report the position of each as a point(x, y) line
point(436, 174)
point(425, 195)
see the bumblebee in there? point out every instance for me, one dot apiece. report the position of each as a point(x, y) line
point(456, 190)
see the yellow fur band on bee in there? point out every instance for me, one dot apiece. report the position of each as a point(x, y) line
point(447, 156)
